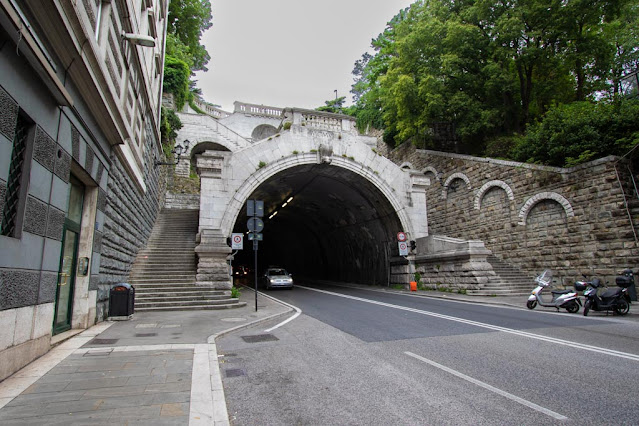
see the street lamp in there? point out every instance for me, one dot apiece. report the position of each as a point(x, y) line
point(138, 39)
point(179, 150)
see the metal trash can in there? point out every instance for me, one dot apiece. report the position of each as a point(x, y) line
point(121, 300)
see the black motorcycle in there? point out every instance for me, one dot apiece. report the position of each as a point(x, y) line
point(612, 299)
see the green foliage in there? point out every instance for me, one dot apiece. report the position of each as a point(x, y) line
point(235, 292)
point(335, 105)
point(287, 125)
point(187, 21)
point(261, 164)
point(581, 131)
point(169, 125)
point(489, 70)
point(176, 80)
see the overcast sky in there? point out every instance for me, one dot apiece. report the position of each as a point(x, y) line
point(288, 53)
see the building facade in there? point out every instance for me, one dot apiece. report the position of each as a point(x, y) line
point(80, 95)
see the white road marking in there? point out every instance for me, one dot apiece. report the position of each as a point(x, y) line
point(490, 388)
point(298, 312)
point(585, 347)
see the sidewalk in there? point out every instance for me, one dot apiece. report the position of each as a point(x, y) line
point(159, 368)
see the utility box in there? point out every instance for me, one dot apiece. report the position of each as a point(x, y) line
point(121, 301)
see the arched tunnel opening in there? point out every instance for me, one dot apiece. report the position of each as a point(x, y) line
point(323, 222)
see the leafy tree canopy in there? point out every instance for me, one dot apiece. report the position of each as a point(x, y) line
point(489, 70)
point(187, 21)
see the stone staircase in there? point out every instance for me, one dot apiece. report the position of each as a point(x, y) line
point(164, 272)
point(508, 281)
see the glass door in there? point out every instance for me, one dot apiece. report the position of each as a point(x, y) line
point(68, 259)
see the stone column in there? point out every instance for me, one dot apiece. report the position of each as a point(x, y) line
point(212, 250)
point(418, 211)
point(212, 268)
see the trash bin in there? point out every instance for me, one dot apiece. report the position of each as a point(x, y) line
point(121, 300)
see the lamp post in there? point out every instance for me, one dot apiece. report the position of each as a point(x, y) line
point(179, 150)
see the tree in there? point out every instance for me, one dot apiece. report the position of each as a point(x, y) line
point(187, 20)
point(334, 105)
point(176, 80)
point(490, 68)
point(573, 133)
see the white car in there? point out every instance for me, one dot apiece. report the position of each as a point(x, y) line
point(277, 278)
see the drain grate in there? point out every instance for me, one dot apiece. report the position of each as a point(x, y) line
point(260, 338)
point(234, 372)
point(103, 341)
point(145, 334)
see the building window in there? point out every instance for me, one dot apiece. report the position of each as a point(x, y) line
point(18, 180)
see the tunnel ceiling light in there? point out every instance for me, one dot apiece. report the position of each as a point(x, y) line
point(273, 215)
point(289, 200)
point(284, 205)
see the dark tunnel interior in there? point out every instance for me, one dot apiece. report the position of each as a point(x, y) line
point(337, 226)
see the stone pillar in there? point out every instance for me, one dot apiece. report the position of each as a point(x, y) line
point(212, 250)
point(212, 268)
point(418, 211)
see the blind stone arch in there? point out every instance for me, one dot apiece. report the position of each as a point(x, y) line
point(406, 165)
point(451, 178)
point(488, 185)
point(530, 203)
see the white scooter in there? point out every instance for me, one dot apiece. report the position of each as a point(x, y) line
point(566, 299)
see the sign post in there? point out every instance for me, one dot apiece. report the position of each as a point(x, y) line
point(255, 211)
point(402, 244)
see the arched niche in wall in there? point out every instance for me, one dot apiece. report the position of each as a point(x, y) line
point(553, 197)
point(263, 131)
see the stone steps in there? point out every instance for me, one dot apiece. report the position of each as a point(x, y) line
point(164, 272)
point(508, 281)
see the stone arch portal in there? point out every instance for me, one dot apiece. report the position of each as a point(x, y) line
point(322, 222)
point(333, 207)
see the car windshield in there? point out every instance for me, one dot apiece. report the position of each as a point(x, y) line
point(277, 272)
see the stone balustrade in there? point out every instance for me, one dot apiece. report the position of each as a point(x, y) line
point(211, 110)
point(321, 120)
point(261, 110)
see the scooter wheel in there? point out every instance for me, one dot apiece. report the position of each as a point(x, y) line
point(572, 307)
point(587, 307)
point(622, 307)
point(531, 304)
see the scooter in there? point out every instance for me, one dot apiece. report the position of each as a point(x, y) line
point(566, 299)
point(612, 299)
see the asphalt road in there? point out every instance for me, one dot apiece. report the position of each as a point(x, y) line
point(363, 357)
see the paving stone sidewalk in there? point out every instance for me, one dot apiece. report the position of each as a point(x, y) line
point(160, 368)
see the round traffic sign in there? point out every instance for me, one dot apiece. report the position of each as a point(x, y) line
point(237, 239)
point(255, 224)
point(403, 246)
point(401, 236)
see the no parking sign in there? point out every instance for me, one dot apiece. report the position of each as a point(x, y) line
point(237, 241)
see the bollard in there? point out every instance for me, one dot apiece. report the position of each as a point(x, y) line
point(413, 286)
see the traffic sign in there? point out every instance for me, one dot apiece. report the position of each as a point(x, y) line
point(255, 224)
point(254, 236)
point(401, 236)
point(403, 248)
point(237, 241)
point(255, 208)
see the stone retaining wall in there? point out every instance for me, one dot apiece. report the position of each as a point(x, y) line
point(573, 221)
point(128, 221)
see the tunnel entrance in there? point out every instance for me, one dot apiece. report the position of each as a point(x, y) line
point(323, 222)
